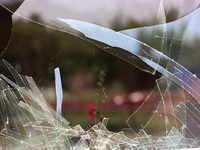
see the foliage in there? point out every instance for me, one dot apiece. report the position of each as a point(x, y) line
point(36, 50)
point(96, 111)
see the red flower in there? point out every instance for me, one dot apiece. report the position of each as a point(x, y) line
point(91, 111)
point(101, 118)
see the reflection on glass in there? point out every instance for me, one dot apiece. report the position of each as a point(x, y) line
point(29, 122)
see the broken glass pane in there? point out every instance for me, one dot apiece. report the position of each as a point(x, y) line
point(29, 122)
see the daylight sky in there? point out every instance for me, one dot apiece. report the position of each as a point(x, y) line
point(103, 11)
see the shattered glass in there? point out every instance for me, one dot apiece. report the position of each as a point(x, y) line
point(29, 122)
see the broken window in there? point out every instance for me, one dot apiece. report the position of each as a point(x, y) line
point(166, 46)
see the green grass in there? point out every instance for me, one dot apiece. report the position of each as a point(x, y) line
point(117, 120)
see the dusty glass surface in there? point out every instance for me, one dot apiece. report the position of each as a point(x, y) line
point(161, 40)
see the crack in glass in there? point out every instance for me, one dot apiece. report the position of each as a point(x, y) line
point(31, 123)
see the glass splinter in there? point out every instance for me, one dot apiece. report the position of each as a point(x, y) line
point(29, 122)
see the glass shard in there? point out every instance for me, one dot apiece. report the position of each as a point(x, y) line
point(168, 118)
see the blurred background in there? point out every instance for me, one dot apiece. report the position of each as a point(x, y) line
point(35, 49)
